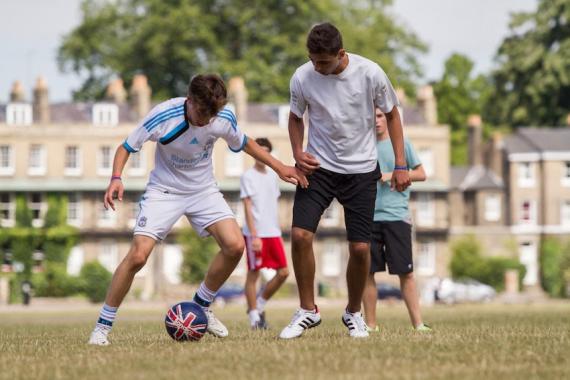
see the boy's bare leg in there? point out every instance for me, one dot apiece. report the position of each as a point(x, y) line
point(369, 300)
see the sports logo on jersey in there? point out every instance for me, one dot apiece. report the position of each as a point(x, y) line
point(142, 221)
point(194, 141)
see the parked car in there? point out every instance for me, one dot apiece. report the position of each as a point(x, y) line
point(386, 291)
point(464, 290)
point(229, 292)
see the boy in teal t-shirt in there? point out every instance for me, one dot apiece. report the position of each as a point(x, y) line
point(392, 231)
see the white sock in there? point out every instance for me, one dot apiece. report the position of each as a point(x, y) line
point(107, 316)
point(253, 317)
point(261, 304)
point(204, 296)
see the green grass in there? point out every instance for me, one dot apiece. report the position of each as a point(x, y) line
point(469, 342)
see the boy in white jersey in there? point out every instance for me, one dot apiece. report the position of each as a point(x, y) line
point(259, 188)
point(340, 91)
point(182, 183)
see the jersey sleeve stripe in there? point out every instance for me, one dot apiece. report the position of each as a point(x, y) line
point(241, 147)
point(165, 118)
point(129, 148)
point(228, 112)
point(160, 114)
point(233, 124)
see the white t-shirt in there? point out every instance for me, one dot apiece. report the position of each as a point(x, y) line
point(342, 132)
point(263, 189)
point(183, 159)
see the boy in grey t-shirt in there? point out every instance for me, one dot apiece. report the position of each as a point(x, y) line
point(392, 230)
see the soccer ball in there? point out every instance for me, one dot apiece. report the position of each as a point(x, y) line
point(186, 321)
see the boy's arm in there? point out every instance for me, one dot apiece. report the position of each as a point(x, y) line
point(400, 178)
point(116, 185)
point(305, 161)
point(286, 173)
point(247, 205)
point(417, 174)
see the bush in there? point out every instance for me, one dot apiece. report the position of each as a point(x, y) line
point(554, 263)
point(55, 282)
point(467, 262)
point(95, 280)
point(198, 253)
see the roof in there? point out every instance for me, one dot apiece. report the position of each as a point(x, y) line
point(470, 178)
point(537, 140)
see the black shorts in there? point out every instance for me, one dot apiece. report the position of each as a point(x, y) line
point(392, 245)
point(355, 192)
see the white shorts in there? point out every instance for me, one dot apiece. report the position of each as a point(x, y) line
point(159, 211)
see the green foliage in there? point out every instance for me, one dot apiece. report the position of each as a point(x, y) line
point(198, 252)
point(532, 82)
point(58, 243)
point(261, 40)
point(22, 243)
point(23, 213)
point(57, 211)
point(55, 282)
point(467, 262)
point(554, 264)
point(95, 280)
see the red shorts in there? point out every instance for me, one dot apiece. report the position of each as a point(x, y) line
point(272, 254)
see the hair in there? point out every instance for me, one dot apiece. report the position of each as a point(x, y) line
point(324, 38)
point(208, 93)
point(262, 141)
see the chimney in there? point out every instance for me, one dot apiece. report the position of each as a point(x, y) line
point(475, 140)
point(17, 92)
point(494, 156)
point(237, 94)
point(41, 102)
point(140, 96)
point(116, 92)
point(427, 104)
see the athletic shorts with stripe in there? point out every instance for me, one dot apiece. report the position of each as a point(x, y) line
point(160, 210)
point(272, 254)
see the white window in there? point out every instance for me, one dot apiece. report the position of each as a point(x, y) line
point(492, 208)
point(425, 264)
point(74, 209)
point(72, 161)
point(331, 216)
point(528, 212)
point(109, 255)
point(426, 157)
point(137, 164)
point(233, 164)
point(425, 214)
point(104, 161)
point(19, 114)
point(283, 116)
point(172, 262)
point(565, 213)
point(37, 160)
point(106, 115)
point(330, 259)
point(6, 160)
point(7, 210)
point(37, 207)
point(526, 174)
point(566, 174)
point(529, 258)
point(75, 261)
point(107, 217)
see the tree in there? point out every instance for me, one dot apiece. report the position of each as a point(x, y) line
point(261, 40)
point(459, 95)
point(198, 254)
point(532, 82)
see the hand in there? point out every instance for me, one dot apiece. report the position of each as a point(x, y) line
point(293, 175)
point(306, 162)
point(115, 186)
point(257, 244)
point(386, 177)
point(400, 180)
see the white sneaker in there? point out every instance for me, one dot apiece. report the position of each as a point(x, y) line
point(254, 318)
point(302, 320)
point(356, 326)
point(99, 337)
point(215, 327)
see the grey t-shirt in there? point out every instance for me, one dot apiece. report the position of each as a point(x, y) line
point(342, 132)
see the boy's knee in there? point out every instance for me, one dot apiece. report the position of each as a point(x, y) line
point(283, 273)
point(235, 248)
point(301, 237)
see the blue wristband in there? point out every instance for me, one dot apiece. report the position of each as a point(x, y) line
point(400, 168)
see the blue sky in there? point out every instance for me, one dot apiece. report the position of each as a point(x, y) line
point(31, 31)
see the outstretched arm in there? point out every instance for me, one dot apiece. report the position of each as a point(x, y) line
point(116, 185)
point(305, 161)
point(400, 177)
point(286, 173)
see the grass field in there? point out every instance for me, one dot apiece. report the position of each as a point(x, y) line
point(470, 342)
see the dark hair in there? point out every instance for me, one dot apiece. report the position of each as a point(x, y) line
point(208, 93)
point(324, 38)
point(262, 141)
